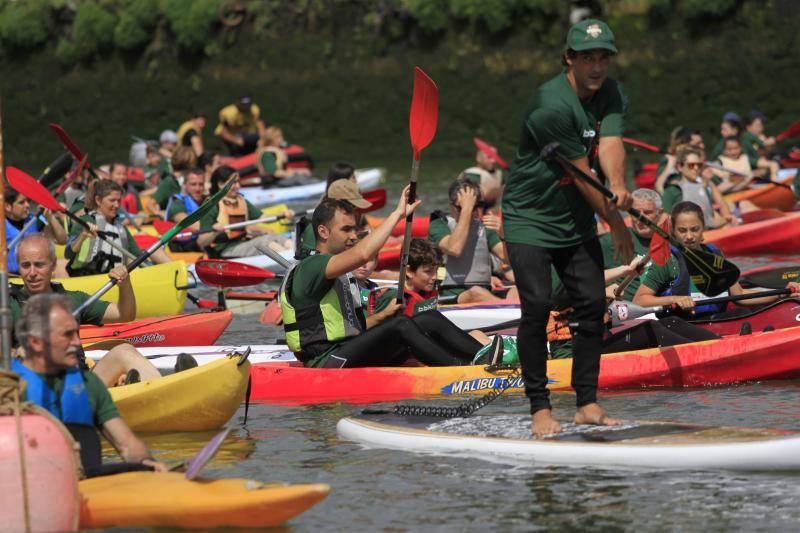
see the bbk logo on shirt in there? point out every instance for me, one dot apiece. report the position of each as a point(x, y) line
point(589, 134)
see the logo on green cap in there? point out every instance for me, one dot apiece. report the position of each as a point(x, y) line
point(594, 30)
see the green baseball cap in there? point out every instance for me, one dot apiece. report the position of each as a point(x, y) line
point(590, 34)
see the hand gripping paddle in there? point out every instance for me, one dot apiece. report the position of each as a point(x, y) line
point(711, 273)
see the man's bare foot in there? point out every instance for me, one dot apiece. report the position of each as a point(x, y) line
point(544, 424)
point(593, 414)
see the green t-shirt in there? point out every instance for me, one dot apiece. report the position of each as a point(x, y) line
point(167, 187)
point(662, 164)
point(93, 314)
point(540, 206)
point(309, 284)
point(660, 277)
point(438, 230)
point(308, 241)
point(751, 139)
point(223, 241)
point(77, 229)
point(641, 246)
point(747, 148)
point(99, 398)
point(673, 194)
point(390, 295)
point(269, 162)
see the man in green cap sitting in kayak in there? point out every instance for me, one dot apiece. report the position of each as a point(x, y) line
point(549, 218)
point(76, 397)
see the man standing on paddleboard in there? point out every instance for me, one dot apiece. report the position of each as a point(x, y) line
point(549, 217)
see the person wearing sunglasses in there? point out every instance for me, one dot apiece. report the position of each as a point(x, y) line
point(694, 184)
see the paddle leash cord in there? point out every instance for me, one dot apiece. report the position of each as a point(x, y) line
point(466, 408)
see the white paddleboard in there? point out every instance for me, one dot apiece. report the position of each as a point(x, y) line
point(164, 357)
point(507, 439)
point(367, 178)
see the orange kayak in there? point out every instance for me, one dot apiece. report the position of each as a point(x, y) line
point(769, 196)
point(203, 327)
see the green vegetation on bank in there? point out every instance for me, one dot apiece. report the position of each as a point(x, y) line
point(336, 74)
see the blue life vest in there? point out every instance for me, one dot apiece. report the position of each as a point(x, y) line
point(11, 234)
point(682, 286)
point(190, 205)
point(73, 407)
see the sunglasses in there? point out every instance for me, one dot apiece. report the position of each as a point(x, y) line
point(693, 165)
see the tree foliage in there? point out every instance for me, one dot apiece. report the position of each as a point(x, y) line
point(26, 24)
point(192, 21)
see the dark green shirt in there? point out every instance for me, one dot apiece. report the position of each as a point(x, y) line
point(660, 277)
point(100, 400)
point(751, 139)
point(269, 162)
point(223, 241)
point(641, 246)
point(167, 187)
point(540, 206)
point(309, 284)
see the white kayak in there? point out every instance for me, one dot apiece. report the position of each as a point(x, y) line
point(165, 357)
point(506, 439)
point(368, 178)
point(474, 316)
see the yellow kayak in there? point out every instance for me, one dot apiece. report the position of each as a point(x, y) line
point(198, 399)
point(154, 287)
point(150, 499)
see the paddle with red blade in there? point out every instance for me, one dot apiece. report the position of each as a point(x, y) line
point(224, 273)
point(643, 145)
point(422, 122)
point(791, 131)
point(377, 197)
point(24, 184)
point(69, 144)
point(206, 206)
point(711, 273)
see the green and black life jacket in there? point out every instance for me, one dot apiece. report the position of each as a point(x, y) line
point(313, 330)
point(96, 256)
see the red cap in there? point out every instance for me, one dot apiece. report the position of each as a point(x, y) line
point(491, 151)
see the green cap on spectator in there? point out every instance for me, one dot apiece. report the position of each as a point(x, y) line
point(591, 34)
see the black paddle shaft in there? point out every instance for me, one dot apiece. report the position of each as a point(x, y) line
point(711, 273)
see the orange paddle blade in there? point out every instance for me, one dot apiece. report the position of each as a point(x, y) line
point(424, 112)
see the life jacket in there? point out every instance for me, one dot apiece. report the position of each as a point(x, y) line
point(280, 158)
point(190, 206)
point(419, 302)
point(683, 286)
point(11, 234)
point(338, 316)
point(185, 128)
point(368, 291)
point(742, 164)
point(558, 326)
point(474, 265)
point(697, 193)
point(72, 408)
point(96, 256)
point(129, 203)
point(231, 212)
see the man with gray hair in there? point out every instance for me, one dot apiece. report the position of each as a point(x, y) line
point(55, 382)
point(648, 202)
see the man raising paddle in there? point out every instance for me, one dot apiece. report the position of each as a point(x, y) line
point(549, 218)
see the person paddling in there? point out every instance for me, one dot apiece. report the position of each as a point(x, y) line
point(487, 172)
point(18, 215)
point(549, 218)
point(182, 205)
point(323, 315)
point(672, 284)
point(76, 397)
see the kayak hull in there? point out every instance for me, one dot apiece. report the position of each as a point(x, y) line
point(718, 362)
point(769, 196)
point(150, 499)
point(774, 236)
point(181, 330)
point(367, 179)
point(198, 399)
point(651, 445)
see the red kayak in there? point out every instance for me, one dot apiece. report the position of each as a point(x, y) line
point(247, 165)
point(419, 226)
point(191, 329)
point(778, 315)
point(735, 359)
point(774, 236)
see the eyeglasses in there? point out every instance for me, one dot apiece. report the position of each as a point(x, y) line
point(693, 165)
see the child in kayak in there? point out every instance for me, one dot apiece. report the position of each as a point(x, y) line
point(671, 283)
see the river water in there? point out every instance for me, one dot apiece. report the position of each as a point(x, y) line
point(374, 489)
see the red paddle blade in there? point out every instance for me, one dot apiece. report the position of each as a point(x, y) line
point(163, 226)
point(491, 151)
point(641, 144)
point(791, 131)
point(424, 112)
point(377, 197)
point(34, 191)
point(72, 175)
point(223, 273)
point(68, 143)
point(659, 247)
